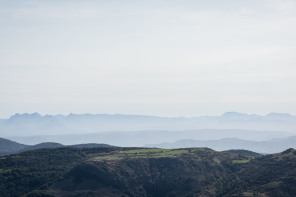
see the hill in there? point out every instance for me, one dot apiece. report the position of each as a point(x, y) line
point(92, 145)
point(8, 146)
point(271, 175)
point(244, 152)
point(42, 145)
point(69, 171)
point(37, 169)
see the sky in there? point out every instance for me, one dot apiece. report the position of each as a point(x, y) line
point(157, 57)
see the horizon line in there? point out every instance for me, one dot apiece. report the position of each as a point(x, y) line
point(125, 114)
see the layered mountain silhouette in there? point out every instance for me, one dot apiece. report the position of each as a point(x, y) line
point(232, 130)
point(270, 146)
point(35, 124)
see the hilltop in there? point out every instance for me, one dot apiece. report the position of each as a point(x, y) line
point(8, 147)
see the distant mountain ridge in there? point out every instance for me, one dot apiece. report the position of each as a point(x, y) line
point(138, 130)
point(271, 146)
point(140, 138)
point(36, 124)
point(226, 115)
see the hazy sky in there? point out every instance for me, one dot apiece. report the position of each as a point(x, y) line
point(154, 57)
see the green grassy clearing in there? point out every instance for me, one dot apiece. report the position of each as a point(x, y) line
point(144, 153)
point(107, 157)
point(241, 161)
point(144, 150)
point(217, 160)
point(247, 194)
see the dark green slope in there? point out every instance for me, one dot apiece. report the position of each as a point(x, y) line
point(8, 146)
point(69, 171)
point(42, 145)
point(182, 175)
point(92, 145)
point(203, 173)
point(243, 152)
point(272, 175)
point(38, 169)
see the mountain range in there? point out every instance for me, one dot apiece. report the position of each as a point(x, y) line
point(270, 146)
point(140, 138)
point(232, 130)
point(35, 124)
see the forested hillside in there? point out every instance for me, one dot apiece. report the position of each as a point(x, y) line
point(69, 171)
